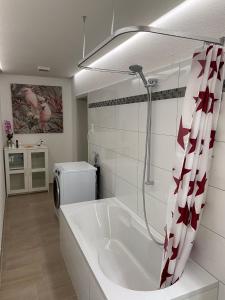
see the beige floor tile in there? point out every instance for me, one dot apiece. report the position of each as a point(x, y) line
point(32, 265)
point(20, 291)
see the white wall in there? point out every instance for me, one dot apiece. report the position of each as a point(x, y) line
point(82, 129)
point(118, 137)
point(61, 144)
point(2, 182)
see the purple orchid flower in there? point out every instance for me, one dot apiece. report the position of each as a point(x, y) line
point(8, 129)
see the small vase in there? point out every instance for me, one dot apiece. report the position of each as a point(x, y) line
point(9, 143)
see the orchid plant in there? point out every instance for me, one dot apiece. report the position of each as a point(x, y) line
point(8, 130)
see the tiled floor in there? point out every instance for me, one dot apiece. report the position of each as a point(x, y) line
point(32, 265)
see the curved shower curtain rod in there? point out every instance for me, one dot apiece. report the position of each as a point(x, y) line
point(136, 29)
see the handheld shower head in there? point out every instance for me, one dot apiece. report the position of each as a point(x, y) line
point(138, 69)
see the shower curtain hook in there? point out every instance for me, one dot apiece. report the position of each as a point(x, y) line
point(84, 32)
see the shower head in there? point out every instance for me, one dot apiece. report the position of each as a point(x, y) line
point(138, 69)
point(135, 68)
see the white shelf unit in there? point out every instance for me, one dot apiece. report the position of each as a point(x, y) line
point(26, 169)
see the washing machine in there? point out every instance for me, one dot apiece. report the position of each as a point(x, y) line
point(73, 182)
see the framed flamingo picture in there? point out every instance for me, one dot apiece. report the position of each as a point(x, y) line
point(37, 108)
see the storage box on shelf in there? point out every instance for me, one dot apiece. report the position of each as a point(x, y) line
point(26, 169)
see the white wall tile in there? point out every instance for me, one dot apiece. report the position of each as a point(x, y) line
point(104, 137)
point(217, 173)
point(164, 114)
point(107, 138)
point(92, 150)
point(161, 179)
point(214, 211)
point(180, 102)
point(92, 117)
point(127, 143)
point(221, 291)
point(220, 133)
point(107, 182)
point(156, 211)
point(105, 116)
point(107, 159)
point(127, 168)
point(142, 118)
point(141, 145)
point(90, 153)
point(163, 151)
point(126, 193)
point(208, 251)
point(127, 116)
point(106, 194)
point(93, 136)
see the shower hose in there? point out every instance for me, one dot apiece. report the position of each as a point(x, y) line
point(147, 161)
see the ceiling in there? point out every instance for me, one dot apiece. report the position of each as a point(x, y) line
point(49, 32)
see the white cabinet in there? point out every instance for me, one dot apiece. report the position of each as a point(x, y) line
point(26, 169)
point(37, 166)
point(16, 171)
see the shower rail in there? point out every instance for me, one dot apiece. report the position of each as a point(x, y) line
point(137, 29)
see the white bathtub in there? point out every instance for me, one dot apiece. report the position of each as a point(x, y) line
point(109, 256)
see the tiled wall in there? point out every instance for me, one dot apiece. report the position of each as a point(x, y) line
point(209, 250)
point(117, 133)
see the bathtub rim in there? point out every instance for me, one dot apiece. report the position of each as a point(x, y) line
point(112, 291)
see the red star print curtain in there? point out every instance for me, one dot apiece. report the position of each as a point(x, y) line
point(195, 142)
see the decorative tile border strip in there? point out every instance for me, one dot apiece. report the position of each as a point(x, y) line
point(166, 94)
point(162, 95)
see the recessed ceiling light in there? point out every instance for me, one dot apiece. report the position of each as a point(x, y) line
point(43, 69)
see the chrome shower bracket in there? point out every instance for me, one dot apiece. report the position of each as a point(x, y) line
point(152, 82)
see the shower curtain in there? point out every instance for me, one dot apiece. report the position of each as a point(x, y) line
point(194, 148)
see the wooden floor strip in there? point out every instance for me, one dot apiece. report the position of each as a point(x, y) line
point(32, 265)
